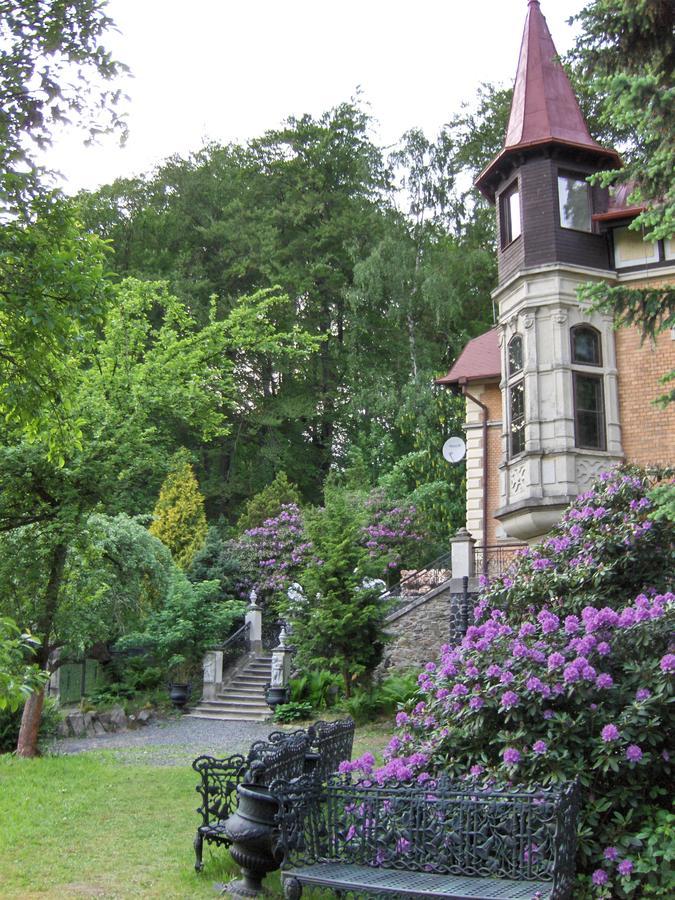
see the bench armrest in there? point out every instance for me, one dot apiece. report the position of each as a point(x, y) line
point(217, 787)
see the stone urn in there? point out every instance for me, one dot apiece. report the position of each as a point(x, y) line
point(179, 693)
point(253, 834)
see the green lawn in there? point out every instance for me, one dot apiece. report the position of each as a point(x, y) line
point(93, 826)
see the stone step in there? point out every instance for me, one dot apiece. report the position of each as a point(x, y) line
point(255, 684)
point(249, 703)
point(236, 696)
point(230, 716)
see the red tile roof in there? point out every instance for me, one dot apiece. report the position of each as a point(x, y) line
point(479, 360)
point(544, 108)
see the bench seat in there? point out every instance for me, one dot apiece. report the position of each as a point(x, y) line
point(380, 881)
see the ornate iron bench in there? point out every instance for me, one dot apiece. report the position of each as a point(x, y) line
point(436, 839)
point(284, 755)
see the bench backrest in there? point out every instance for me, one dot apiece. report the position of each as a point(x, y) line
point(437, 827)
point(330, 742)
point(218, 780)
point(285, 760)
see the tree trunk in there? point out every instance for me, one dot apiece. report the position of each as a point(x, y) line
point(30, 724)
point(32, 711)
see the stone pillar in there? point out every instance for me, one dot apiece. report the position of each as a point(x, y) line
point(463, 555)
point(213, 673)
point(279, 690)
point(254, 620)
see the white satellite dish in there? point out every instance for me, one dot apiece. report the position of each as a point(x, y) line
point(454, 449)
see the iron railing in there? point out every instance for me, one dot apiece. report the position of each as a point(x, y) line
point(494, 559)
point(238, 642)
point(418, 584)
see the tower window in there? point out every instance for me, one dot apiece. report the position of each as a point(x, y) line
point(516, 396)
point(589, 411)
point(586, 350)
point(510, 214)
point(574, 198)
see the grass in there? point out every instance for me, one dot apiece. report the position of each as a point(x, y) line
point(92, 826)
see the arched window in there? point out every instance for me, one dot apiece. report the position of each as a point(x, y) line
point(516, 396)
point(586, 346)
point(589, 401)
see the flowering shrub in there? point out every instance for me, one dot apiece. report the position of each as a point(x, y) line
point(279, 549)
point(549, 685)
point(391, 535)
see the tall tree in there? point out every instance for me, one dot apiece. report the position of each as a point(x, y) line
point(626, 53)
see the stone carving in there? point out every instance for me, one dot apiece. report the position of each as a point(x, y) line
point(517, 480)
point(587, 470)
point(560, 318)
point(528, 321)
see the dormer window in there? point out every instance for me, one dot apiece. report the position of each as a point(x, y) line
point(510, 214)
point(574, 199)
point(516, 396)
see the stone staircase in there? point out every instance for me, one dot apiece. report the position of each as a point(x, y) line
point(243, 698)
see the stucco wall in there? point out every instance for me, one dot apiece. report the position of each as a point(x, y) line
point(489, 394)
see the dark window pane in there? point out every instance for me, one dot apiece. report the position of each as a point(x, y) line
point(515, 354)
point(586, 347)
point(589, 412)
point(517, 417)
point(575, 203)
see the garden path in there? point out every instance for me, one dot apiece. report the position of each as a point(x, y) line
point(175, 741)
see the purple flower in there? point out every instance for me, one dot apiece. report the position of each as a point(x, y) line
point(642, 694)
point(402, 719)
point(548, 621)
point(599, 877)
point(540, 564)
point(430, 667)
point(625, 867)
point(667, 664)
point(611, 853)
point(571, 674)
point(511, 756)
point(509, 699)
point(539, 747)
point(555, 661)
point(571, 624)
point(459, 690)
point(548, 713)
point(603, 648)
point(604, 680)
point(633, 753)
point(476, 702)
point(609, 733)
point(476, 771)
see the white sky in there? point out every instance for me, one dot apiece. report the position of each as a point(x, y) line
point(228, 70)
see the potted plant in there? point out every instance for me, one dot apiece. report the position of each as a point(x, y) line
point(179, 683)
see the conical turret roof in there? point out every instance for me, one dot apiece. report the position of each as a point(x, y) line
point(544, 109)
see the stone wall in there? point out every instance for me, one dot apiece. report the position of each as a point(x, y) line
point(418, 630)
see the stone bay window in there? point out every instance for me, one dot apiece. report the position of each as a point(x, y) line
point(516, 395)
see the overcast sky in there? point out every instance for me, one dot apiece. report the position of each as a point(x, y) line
point(228, 70)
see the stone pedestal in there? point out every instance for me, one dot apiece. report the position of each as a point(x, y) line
point(213, 673)
point(254, 620)
point(279, 691)
point(463, 555)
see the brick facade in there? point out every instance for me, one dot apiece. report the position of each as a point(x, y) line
point(647, 430)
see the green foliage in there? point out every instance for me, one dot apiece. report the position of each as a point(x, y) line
point(53, 71)
point(191, 619)
point(18, 677)
point(179, 520)
point(340, 626)
point(655, 864)
point(383, 698)
point(292, 712)
point(319, 688)
point(226, 561)
point(267, 503)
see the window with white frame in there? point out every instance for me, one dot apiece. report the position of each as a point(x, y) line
point(587, 388)
point(516, 396)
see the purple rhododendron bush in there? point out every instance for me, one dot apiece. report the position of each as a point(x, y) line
point(567, 673)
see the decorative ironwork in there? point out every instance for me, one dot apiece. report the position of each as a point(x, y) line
point(218, 792)
point(270, 634)
point(239, 642)
point(495, 559)
point(454, 832)
point(418, 584)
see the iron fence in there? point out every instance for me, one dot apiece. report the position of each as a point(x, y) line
point(493, 560)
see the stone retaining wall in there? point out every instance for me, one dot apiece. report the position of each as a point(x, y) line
point(419, 630)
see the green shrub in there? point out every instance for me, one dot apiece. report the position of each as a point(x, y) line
point(320, 689)
point(292, 712)
point(382, 699)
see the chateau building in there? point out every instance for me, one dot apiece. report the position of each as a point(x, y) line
point(555, 395)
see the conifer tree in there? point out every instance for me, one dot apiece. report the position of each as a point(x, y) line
point(267, 503)
point(179, 520)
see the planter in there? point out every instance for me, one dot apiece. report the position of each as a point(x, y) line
point(179, 693)
point(252, 832)
point(275, 696)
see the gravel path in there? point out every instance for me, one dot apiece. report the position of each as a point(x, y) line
point(175, 741)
